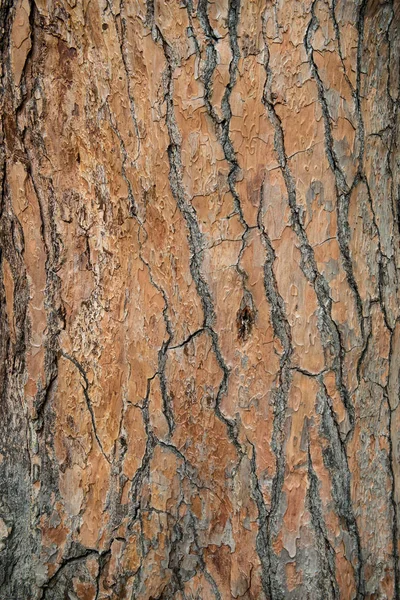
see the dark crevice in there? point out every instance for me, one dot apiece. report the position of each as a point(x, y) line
point(327, 576)
point(329, 330)
point(85, 386)
point(336, 461)
point(362, 178)
point(264, 539)
point(330, 333)
point(132, 204)
point(343, 191)
point(144, 469)
point(195, 237)
point(282, 331)
point(74, 560)
point(162, 353)
point(393, 501)
point(222, 125)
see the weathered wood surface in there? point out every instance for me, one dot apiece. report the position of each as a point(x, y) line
point(200, 316)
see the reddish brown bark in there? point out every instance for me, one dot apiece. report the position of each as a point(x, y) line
point(200, 334)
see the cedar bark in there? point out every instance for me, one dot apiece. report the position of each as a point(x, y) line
point(199, 300)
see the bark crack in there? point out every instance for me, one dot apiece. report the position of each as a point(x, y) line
point(222, 126)
point(85, 386)
point(308, 263)
point(327, 553)
point(195, 237)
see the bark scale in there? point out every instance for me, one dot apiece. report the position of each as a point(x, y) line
point(199, 300)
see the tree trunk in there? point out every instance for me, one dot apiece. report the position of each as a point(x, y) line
point(200, 316)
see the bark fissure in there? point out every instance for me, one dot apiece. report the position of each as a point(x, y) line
point(308, 264)
point(282, 331)
point(195, 238)
point(85, 387)
point(327, 552)
point(222, 126)
point(310, 270)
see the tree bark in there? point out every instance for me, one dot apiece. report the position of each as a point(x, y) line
point(199, 300)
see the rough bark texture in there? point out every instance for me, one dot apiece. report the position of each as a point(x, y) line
point(199, 300)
